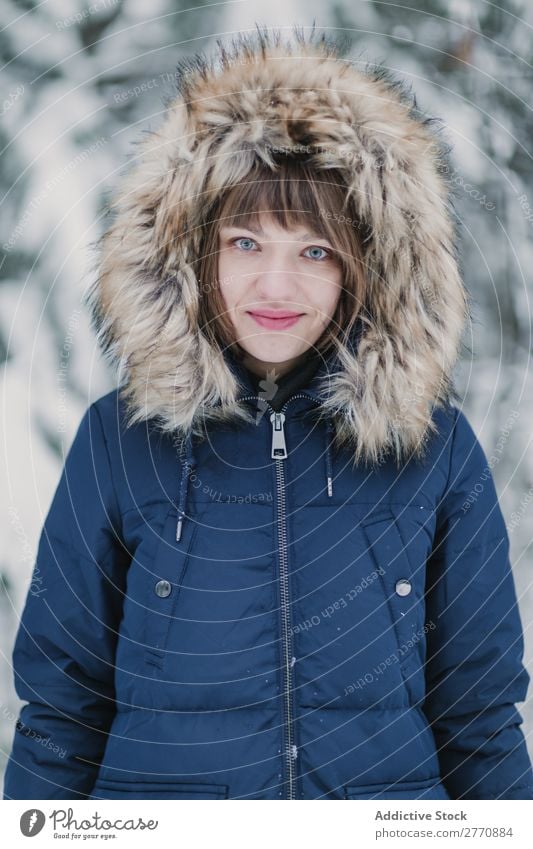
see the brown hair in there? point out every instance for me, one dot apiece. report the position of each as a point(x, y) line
point(295, 193)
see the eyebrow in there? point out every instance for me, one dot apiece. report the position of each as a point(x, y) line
point(260, 232)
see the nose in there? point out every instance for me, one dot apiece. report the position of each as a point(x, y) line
point(277, 278)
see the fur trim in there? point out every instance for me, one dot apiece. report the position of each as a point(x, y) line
point(234, 106)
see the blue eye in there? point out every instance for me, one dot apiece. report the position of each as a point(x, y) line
point(318, 248)
point(244, 239)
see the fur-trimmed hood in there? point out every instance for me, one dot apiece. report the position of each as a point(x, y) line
point(233, 106)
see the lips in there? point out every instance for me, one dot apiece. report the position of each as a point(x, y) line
point(278, 321)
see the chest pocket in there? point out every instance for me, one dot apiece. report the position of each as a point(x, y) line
point(163, 581)
point(399, 548)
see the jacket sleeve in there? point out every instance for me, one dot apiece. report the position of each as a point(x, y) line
point(474, 671)
point(63, 658)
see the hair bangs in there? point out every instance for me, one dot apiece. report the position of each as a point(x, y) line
point(293, 194)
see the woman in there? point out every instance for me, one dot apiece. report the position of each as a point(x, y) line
point(269, 569)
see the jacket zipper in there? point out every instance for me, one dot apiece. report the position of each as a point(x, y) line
point(279, 453)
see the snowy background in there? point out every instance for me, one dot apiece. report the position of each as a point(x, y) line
point(81, 80)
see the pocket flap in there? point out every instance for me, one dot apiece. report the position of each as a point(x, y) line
point(112, 789)
point(431, 788)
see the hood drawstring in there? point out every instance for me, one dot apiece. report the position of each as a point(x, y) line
point(329, 464)
point(187, 464)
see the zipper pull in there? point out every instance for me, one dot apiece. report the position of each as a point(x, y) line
point(279, 448)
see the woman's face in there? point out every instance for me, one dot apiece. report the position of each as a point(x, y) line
point(270, 273)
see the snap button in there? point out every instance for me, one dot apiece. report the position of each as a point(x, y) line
point(163, 588)
point(403, 587)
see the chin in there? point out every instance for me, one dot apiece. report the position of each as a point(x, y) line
point(276, 353)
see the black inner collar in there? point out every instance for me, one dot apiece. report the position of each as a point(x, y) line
point(276, 391)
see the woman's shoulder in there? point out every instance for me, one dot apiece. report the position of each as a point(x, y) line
point(466, 454)
point(143, 459)
point(111, 409)
point(454, 429)
point(120, 421)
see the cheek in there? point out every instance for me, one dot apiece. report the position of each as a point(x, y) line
point(329, 296)
point(230, 284)
point(225, 281)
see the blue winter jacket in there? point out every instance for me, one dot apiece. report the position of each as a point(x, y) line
point(234, 602)
point(294, 643)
